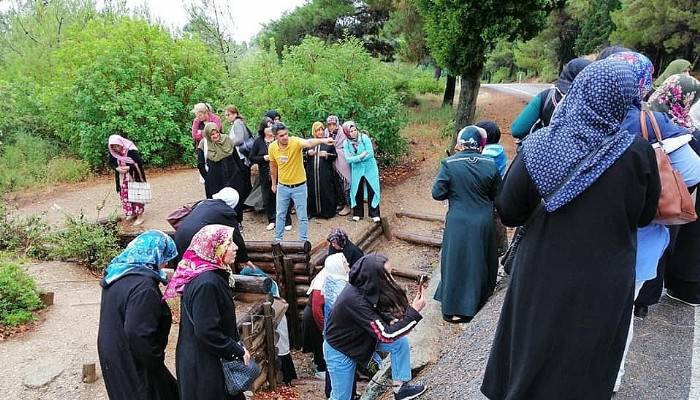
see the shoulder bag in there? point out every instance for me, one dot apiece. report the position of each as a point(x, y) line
point(676, 206)
point(139, 192)
point(237, 376)
point(179, 214)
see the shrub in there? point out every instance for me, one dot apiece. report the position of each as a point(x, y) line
point(18, 295)
point(22, 235)
point(86, 243)
point(316, 79)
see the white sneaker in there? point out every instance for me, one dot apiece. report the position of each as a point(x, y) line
point(355, 219)
point(288, 228)
point(376, 219)
point(320, 375)
point(138, 221)
point(270, 226)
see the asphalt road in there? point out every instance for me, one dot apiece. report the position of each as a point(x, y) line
point(522, 89)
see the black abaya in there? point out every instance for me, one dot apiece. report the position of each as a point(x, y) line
point(566, 314)
point(683, 264)
point(321, 182)
point(207, 304)
point(133, 334)
point(227, 172)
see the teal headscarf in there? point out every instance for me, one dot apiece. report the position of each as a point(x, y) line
point(144, 255)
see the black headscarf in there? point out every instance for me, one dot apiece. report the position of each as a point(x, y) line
point(568, 74)
point(493, 133)
point(610, 50)
point(272, 114)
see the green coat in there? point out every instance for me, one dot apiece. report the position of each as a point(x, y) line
point(469, 260)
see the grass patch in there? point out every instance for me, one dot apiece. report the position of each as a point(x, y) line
point(31, 161)
point(19, 296)
point(24, 236)
point(85, 243)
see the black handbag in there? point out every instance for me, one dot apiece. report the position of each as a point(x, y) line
point(238, 376)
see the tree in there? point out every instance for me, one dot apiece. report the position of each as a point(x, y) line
point(664, 29)
point(595, 23)
point(460, 33)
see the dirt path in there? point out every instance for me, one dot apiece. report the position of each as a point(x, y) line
point(67, 336)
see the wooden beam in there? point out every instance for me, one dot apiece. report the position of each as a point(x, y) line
point(421, 216)
point(252, 284)
point(417, 238)
point(291, 298)
point(270, 349)
point(288, 247)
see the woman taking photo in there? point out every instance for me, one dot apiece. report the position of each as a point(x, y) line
point(220, 166)
point(320, 176)
point(208, 331)
point(365, 174)
point(124, 158)
point(135, 321)
point(371, 314)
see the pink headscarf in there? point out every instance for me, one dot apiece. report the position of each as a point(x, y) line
point(126, 145)
point(205, 253)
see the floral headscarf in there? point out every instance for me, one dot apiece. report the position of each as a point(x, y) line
point(332, 119)
point(585, 136)
point(205, 253)
point(339, 236)
point(143, 255)
point(642, 67)
point(675, 97)
point(126, 145)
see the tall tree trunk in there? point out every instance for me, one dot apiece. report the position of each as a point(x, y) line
point(438, 73)
point(449, 97)
point(471, 81)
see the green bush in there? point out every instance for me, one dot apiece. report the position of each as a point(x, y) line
point(29, 160)
point(84, 242)
point(18, 295)
point(22, 235)
point(316, 79)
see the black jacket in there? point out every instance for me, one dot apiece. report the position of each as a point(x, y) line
point(132, 336)
point(257, 155)
point(208, 333)
point(136, 171)
point(209, 212)
point(228, 172)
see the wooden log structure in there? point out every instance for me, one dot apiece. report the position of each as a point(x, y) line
point(252, 284)
point(365, 240)
point(255, 246)
point(421, 216)
point(267, 257)
point(291, 297)
point(270, 344)
point(416, 238)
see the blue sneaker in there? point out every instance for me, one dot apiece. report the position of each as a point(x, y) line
point(408, 391)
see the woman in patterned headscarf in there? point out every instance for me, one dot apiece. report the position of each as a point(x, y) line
point(135, 322)
point(583, 185)
point(124, 158)
point(675, 97)
point(208, 329)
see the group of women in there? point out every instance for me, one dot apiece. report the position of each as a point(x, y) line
point(586, 186)
point(338, 176)
point(135, 320)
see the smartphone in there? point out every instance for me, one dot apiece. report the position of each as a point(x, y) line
point(422, 283)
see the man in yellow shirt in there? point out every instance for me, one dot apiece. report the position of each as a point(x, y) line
point(287, 170)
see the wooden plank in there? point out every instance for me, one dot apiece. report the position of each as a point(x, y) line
point(386, 228)
point(268, 257)
point(252, 284)
point(419, 239)
point(288, 247)
point(270, 348)
point(291, 298)
point(421, 216)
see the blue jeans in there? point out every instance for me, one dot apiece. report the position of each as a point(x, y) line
point(342, 368)
point(299, 195)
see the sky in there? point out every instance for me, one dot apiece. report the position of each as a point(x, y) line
point(248, 15)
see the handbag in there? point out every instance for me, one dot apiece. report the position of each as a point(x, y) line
point(238, 377)
point(139, 192)
point(247, 145)
point(179, 214)
point(676, 206)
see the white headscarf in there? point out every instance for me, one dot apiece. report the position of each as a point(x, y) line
point(336, 266)
point(228, 195)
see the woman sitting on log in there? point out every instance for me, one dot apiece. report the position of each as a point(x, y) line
point(371, 314)
point(135, 322)
point(338, 242)
point(334, 277)
point(217, 211)
point(208, 331)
